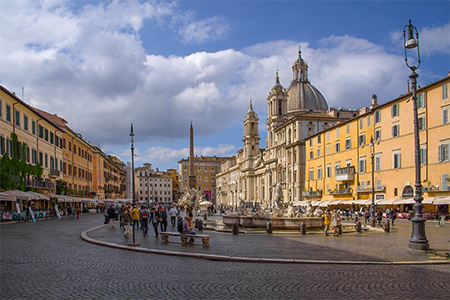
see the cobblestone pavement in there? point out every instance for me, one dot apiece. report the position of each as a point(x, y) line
point(49, 260)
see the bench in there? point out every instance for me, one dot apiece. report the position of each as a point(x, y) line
point(185, 237)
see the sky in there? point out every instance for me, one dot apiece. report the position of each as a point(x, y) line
point(104, 64)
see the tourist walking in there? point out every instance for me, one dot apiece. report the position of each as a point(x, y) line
point(144, 220)
point(111, 212)
point(393, 215)
point(163, 219)
point(69, 212)
point(135, 215)
point(366, 216)
point(77, 212)
point(173, 215)
point(327, 221)
point(336, 222)
point(154, 219)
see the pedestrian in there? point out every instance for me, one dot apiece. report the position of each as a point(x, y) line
point(187, 229)
point(69, 212)
point(144, 220)
point(77, 212)
point(163, 219)
point(173, 215)
point(122, 215)
point(327, 221)
point(135, 216)
point(366, 216)
point(336, 222)
point(393, 215)
point(97, 208)
point(379, 216)
point(154, 219)
point(111, 212)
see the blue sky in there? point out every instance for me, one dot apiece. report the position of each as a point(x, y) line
point(103, 65)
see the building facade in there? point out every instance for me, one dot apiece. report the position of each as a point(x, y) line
point(205, 170)
point(342, 159)
point(293, 114)
point(153, 186)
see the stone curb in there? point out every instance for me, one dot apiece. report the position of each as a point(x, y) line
point(85, 237)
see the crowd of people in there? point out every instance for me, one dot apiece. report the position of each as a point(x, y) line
point(158, 216)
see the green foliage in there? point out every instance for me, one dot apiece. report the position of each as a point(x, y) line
point(14, 170)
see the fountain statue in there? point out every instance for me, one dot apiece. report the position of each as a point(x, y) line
point(192, 198)
point(242, 210)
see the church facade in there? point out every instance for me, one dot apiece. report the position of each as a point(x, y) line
point(294, 113)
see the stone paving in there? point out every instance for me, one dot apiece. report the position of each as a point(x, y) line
point(49, 260)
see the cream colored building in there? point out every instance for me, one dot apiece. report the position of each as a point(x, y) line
point(153, 186)
point(339, 159)
point(294, 114)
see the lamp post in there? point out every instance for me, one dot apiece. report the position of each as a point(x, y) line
point(418, 238)
point(132, 182)
point(372, 153)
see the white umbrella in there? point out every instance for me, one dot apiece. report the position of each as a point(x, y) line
point(205, 203)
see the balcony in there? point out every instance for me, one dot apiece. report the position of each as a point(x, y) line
point(312, 194)
point(54, 173)
point(345, 174)
point(39, 183)
point(341, 192)
point(368, 189)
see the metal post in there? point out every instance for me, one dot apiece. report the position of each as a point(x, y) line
point(132, 181)
point(418, 238)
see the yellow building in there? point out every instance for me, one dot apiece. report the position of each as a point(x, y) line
point(205, 170)
point(43, 139)
point(339, 159)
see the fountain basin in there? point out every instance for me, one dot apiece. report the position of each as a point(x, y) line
point(277, 222)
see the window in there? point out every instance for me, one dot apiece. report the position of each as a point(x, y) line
point(310, 142)
point(328, 171)
point(336, 147)
point(33, 127)
point(33, 156)
point(311, 174)
point(41, 158)
point(396, 161)
point(337, 132)
point(361, 123)
point(336, 166)
point(368, 121)
point(377, 162)
point(394, 110)
point(362, 165)
point(328, 135)
point(420, 101)
point(445, 91)
point(423, 156)
point(421, 122)
point(443, 154)
point(8, 113)
point(46, 134)
point(41, 131)
point(27, 154)
point(319, 173)
point(445, 182)
point(318, 139)
point(377, 117)
point(377, 135)
point(348, 128)
point(318, 152)
point(328, 149)
point(2, 145)
point(25, 122)
point(362, 140)
point(51, 137)
point(17, 121)
point(348, 144)
point(395, 130)
point(310, 154)
point(445, 116)
point(1, 111)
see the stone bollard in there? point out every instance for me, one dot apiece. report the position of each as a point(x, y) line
point(205, 217)
point(373, 222)
point(387, 226)
point(340, 229)
point(235, 228)
point(196, 223)
point(200, 225)
point(303, 228)
point(356, 219)
point(358, 227)
point(269, 227)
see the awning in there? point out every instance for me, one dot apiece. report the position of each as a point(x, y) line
point(7, 198)
point(324, 203)
point(20, 195)
point(442, 200)
point(335, 202)
point(38, 196)
point(404, 201)
point(386, 201)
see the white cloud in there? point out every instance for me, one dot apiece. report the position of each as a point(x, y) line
point(205, 30)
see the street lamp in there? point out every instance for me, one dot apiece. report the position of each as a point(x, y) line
point(418, 238)
point(372, 153)
point(132, 165)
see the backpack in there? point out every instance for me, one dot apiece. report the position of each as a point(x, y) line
point(180, 225)
point(144, 214)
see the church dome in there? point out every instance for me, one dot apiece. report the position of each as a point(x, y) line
point(302, 95)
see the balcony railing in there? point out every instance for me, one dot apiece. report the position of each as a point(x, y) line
point(341, 192)
point(368, 189)
point(39, 183)
point(345, 174)
point(54, 172)
point(312, 194)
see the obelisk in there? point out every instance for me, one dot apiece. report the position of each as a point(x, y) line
point(192, 181)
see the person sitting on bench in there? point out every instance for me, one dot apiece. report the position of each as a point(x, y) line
point(187, 229)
